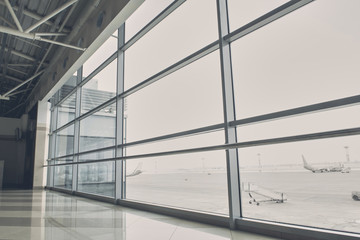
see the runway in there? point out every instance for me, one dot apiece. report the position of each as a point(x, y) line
point(320, 200)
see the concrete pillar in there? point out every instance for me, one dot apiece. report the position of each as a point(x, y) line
point(41, 145)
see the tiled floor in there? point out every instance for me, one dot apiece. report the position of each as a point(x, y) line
point(51, 215)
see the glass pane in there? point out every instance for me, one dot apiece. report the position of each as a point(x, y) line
point(98, 130)
point(63, 160)
point(244, 11)
point(337, 119)
point(66, 110)
point(99, 89)
point(65, 141)
point(270, 174)
point(193, 181)
point(97, 155)
point(97, 178)
point(171, 40)
point(193, 141)
point(177, 102)
point(63, 177)
point(143, 15)
point(103, 53)
point(315, 61)
point(68, 86)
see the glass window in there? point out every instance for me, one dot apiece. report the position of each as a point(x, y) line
point(315, 178)
point(194, 181)
point(336, 119)
point(143, 15)
point(63, 177)
point(245, 11)
point(186, 99)
point(192, 141)
point(99, 89)
point(68, 86)
point(97, 178)
point(97, 155)
point(171, 40)
point(98, 130)
point(65, 141)
point(101, 54)
point(66, 110)
point(306, 57)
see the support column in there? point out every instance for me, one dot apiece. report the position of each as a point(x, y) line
point(120, 180)
point(52, 145)
point(41, 144)
point(229, 115)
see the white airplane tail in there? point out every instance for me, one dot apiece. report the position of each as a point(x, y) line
point(138, 167)
point(137, 171)
point(306, 165)
point(304, 161)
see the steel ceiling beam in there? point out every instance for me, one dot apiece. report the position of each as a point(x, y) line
point(60, 30)
point(21, 91)
point(34, 36)
point(20, 54)
point(13, 15)
point(7, 22)
point(28, 42)
point(21, 104)
point(22, 84)
point(51, 34)
point(16, 70)
point(20, 64)
point(14, 79)
point(52, 14)
point(33, 15)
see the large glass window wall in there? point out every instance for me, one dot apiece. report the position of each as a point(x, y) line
point(261, 123)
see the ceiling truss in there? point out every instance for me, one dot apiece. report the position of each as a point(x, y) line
point(25, 45)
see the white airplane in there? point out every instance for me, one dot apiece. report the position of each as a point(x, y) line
point(340, 168)
point(137, 171)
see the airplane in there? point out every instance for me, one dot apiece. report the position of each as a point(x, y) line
point(137, 171)
point(341, 168)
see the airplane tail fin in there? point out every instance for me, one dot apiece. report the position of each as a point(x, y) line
point(138, 167)
point(304, 161)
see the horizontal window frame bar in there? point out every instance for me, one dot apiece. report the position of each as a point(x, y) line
point(63, 127)
point(65, 98)
point(188, 133)
point(183, 213)
point(92, 196)
point(98, 108)
point(271, 141)
point(266, 19)
point(202, 130)
point(309, 109)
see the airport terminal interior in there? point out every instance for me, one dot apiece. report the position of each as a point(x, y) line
point(180, 119)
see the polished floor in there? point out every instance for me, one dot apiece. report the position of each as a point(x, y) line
point(51, 215)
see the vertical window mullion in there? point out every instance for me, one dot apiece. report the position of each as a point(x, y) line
point(120, 180)
point(229, 115)
point(76, 130)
